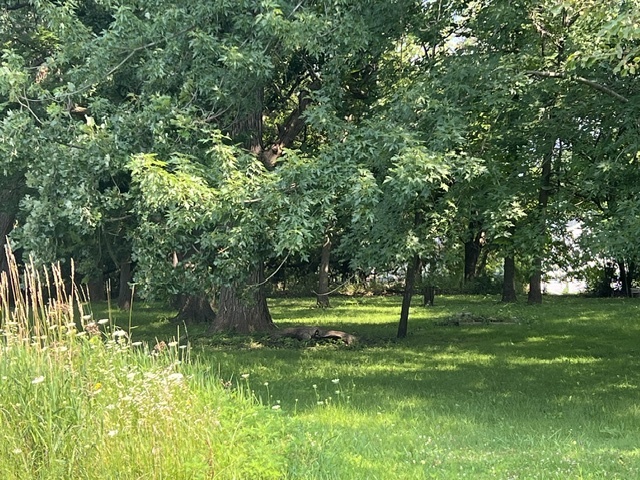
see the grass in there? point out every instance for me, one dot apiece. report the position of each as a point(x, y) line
point(552, 396)
point(536, 392)
point(551, 392)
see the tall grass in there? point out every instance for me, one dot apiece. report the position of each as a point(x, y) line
point(80, 399)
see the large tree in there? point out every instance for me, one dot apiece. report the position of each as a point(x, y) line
point(203, 94)
point(200, 142)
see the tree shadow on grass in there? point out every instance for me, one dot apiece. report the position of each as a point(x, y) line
point(565, 373)
point(521, 373)
point(570, 362)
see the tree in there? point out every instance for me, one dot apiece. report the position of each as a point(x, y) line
point(543, 48)
point(509, 283)
point(176, 75)
point(323, 276)
point(194, 144)
point(599, 80)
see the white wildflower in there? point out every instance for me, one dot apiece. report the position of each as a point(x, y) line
point(37, 380)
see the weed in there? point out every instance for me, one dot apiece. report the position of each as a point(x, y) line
point(80, 399)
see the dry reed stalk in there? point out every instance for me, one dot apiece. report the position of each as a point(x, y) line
point(29, 313)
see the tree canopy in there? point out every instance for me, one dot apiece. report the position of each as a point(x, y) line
point(200, 141)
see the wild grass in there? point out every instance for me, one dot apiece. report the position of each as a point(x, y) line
point(531, 392)
point(80, 399)
point(537, 392)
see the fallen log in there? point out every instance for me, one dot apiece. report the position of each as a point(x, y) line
point(305, 333)
point(337, 335)
point(299, 333)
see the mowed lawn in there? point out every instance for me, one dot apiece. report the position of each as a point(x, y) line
point(539, 392)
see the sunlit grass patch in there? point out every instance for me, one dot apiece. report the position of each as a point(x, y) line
point(550, 396)
point(130, 415)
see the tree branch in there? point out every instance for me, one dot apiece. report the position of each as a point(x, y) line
point(114, 69)
point(585, 81)
point(287, 133)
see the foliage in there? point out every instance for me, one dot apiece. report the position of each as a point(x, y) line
point(203, 140)
point(142, 95)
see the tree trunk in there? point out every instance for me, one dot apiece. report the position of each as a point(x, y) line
point(124, 291)
point(509, 280)
point(428, 296)
point(472, 249)
point(244, 310)
point(6, 225)
point(625, 277)
point(96, 289)
point(482, 261)
point(323, 275)
point(535, 284)
point(194, 309)
point(12, 188)
point(622, 277)
point(535, 281)
point(410, 281)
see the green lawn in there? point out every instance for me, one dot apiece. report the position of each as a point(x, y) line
point(545, 392)
point(553, 396)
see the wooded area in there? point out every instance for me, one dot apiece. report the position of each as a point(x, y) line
point(199, 149)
